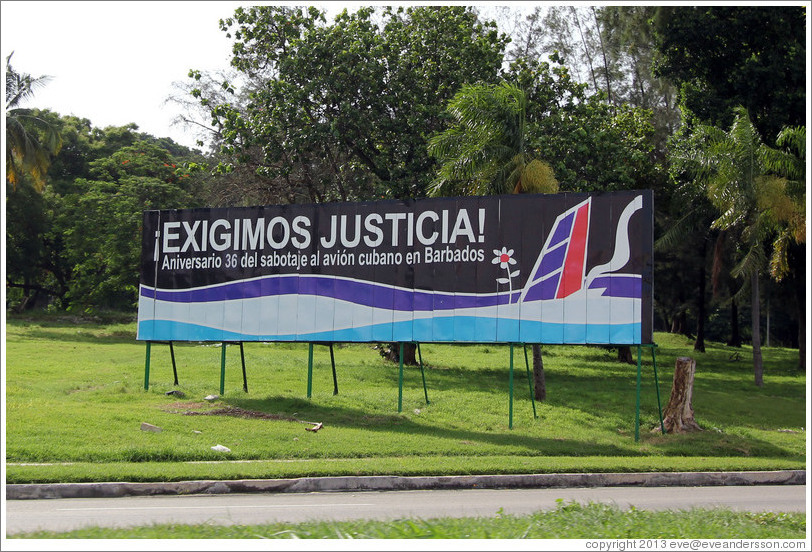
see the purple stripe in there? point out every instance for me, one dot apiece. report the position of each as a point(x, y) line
point(562, 231)
point(552, 260)
point(619, 286)
point(543, 290)
point(361, 293)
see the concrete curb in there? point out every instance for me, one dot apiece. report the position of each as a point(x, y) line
point(399, 483)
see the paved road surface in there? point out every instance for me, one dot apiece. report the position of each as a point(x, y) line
point(256, 508)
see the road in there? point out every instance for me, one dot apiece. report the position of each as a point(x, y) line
point(68, 514)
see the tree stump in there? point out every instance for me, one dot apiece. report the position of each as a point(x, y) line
point(679, 414)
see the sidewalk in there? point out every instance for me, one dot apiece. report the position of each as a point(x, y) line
point(392, 483)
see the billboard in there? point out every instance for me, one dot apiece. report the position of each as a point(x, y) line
point(532, 268)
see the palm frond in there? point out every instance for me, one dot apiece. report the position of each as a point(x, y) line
point(779, 264)
point(752, 261)
point(675, 234)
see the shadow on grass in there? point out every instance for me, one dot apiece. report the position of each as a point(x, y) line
point(355, 418)
point(706, 443)
point(73, 329)
point(609, 394)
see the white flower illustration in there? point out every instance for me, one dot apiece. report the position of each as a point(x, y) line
point(504, 259)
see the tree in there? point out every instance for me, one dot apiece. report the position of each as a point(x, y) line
point(783, 196)
point(75, 244)
point(686, 239)
point(485, 151)
point(783, 200)
point(30, 140)
point(730, 166)
point(343, 110)
point(590, 144)
point(721, 57)
point(103, 220)
point(631, 45)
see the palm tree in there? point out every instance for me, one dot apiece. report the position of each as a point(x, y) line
point(783, 198)
point(783, 195)
point(733, 168)
point(30, 140)
point(485, 151)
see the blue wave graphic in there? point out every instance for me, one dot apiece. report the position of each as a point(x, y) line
point(443, 329)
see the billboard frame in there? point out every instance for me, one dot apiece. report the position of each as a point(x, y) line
point(577, 213)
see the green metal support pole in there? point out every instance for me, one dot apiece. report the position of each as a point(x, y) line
point(657, 385)
point(146, 367)
point(223, 368)
point(510, 416)
point(639, 377)
point(310, 371)
point(420, 356)
point(174, 367)
point(333, 364)
point(244, 377)
point(400, 380)
point(529, 380)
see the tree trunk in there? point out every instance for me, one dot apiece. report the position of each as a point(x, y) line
point(767, 308)
point(409, 353)
point(624, 354)
point(603, 51)
point(587, 52)
point(758, 365)
point(798, 253)
point(699, 344)
point(678, 324)
point(735, 335)
point(539, 383)
point(801, 338)
point(679, 414)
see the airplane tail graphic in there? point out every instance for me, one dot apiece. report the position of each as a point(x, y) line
point(560, 268)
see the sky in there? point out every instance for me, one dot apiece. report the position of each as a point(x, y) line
point(114, 62)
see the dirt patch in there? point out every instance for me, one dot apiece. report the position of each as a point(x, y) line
point(240, 413)
point(178, 407)
point(195, 408)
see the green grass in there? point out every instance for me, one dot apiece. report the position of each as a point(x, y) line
point(75, 402)
point(568, 521)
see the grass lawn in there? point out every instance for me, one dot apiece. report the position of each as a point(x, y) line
point(75, 402)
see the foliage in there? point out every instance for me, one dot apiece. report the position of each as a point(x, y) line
point(77, 244)
point(485, 151)
point(731, 168)
point(782, 195)
point(343, 111)
point(103, 230)
point(629, 36)
point(590, 144)
point(30, 140)
point(731, 165)
point(721, 57)
point(313, 110)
